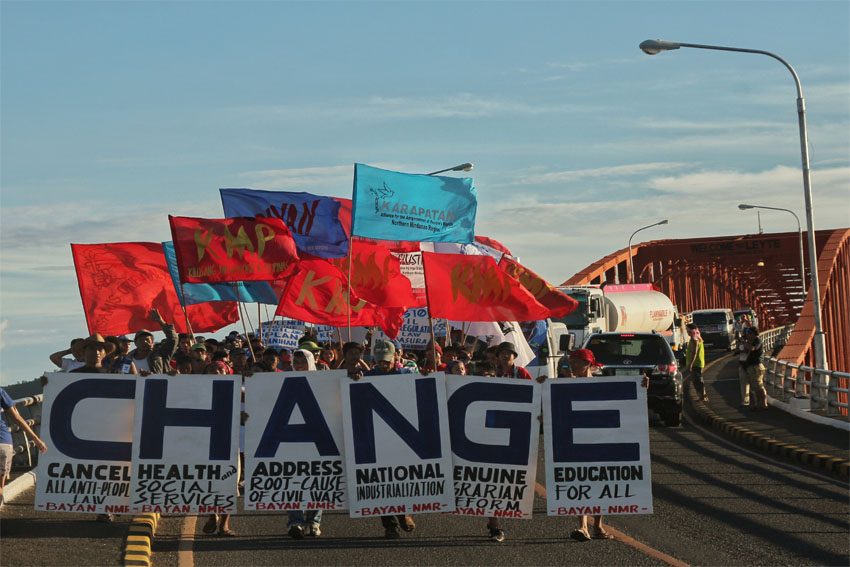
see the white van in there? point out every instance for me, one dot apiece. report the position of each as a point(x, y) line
point(717, 327)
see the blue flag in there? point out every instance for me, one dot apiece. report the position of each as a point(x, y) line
point(422, 208)
point(190, 294)
point(313, 220)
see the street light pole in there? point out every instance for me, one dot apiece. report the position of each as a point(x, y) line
point(631, 261)
point(461, 167)
point(654, 46)
point(799, 234)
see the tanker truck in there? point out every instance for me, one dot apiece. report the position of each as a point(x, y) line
point(636, 308)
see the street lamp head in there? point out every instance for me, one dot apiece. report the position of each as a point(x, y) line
point(745, 207)
point(656, 46)
point(463, 167)
point(663, 222)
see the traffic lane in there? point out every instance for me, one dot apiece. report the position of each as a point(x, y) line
point(33, 537)
point(716, 505)
point(438, 539)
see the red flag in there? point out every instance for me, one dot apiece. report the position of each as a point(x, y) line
point(318, 294)
point(121, 282)
point(473, 288)
point(234, 249)
point(376, 275)
point(559, 303)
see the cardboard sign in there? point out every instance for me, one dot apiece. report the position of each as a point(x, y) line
point(185, 444)
point(282, 333)
point(494, 438)
point(397, 453)
point(294, 442)
point(596, 435)
point(87, 424)
point(415, 333)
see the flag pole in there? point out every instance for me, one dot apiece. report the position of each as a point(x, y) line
point(348, 297)
point(260, 321)
point(244, 328)
point(183, 307)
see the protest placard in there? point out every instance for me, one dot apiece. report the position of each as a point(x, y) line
point(415, 333)
point(397, 453)
point(294, 442)
point(494, 438)
point(596, 438)
point(185, 445)
point(282, 333)
point(87, 423)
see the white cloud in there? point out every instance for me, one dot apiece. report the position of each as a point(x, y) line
point(4, 328)
point(599, 172)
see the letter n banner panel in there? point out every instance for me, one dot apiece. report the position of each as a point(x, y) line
point(87, 424)
point(596, 437)
point(397, 453)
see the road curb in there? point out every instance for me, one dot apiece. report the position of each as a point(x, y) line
point(767, 444)
point(137, 547)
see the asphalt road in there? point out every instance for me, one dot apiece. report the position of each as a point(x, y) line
point(715, 504)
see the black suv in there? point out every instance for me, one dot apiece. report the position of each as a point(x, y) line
point(648, 353)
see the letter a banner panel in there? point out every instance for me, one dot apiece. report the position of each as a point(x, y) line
point(87, 424)
point(185, 445)
point(397, 453)
point(294, 441)
point(494, 436)
point(596, 438)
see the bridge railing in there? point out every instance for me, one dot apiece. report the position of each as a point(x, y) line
point(26, 446)
point(825, 389)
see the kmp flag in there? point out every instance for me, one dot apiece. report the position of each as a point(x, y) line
point(313, 220)
point(318, 293)
point(389, 205)
point(120, 282)
point(376, 275)
point(229, 250)
point(560, 304)
point(473, 288)
point(191, 294)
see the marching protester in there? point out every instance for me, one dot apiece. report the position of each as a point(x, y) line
point(383, 353)
point(753, 367)
point(67, 364)
point(218, 522)
point(352, 359)
point(150, 360)
point(9, 414)
point(198, 354)
point(327, 358)
point(121, 362)
point(695, 360)
point(433, 359)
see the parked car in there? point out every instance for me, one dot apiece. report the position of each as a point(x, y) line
point(649, 354)
point(717, 327)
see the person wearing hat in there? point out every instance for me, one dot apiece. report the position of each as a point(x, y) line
point(433, 359)
point(93, 351)
point(507, 354)
point(239, 359)
point(383, 352)
point(753, 367)
point(150, 359)
point(200, 358)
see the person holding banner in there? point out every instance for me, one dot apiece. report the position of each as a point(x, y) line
point(7, 450)
point(150, 360)
point(383, 352)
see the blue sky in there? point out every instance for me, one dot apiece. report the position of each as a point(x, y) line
point(115, 114)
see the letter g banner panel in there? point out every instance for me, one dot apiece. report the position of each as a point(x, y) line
point(596, 439)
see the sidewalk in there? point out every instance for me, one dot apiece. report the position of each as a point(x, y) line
point(773, 430)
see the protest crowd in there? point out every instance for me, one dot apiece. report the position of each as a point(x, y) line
point(332, 267)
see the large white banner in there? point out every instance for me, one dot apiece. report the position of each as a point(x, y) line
point(294, 441)
point(397, 453)
point(185, 444)
point(596, 438)
point(494, 437)
point(87, 424)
